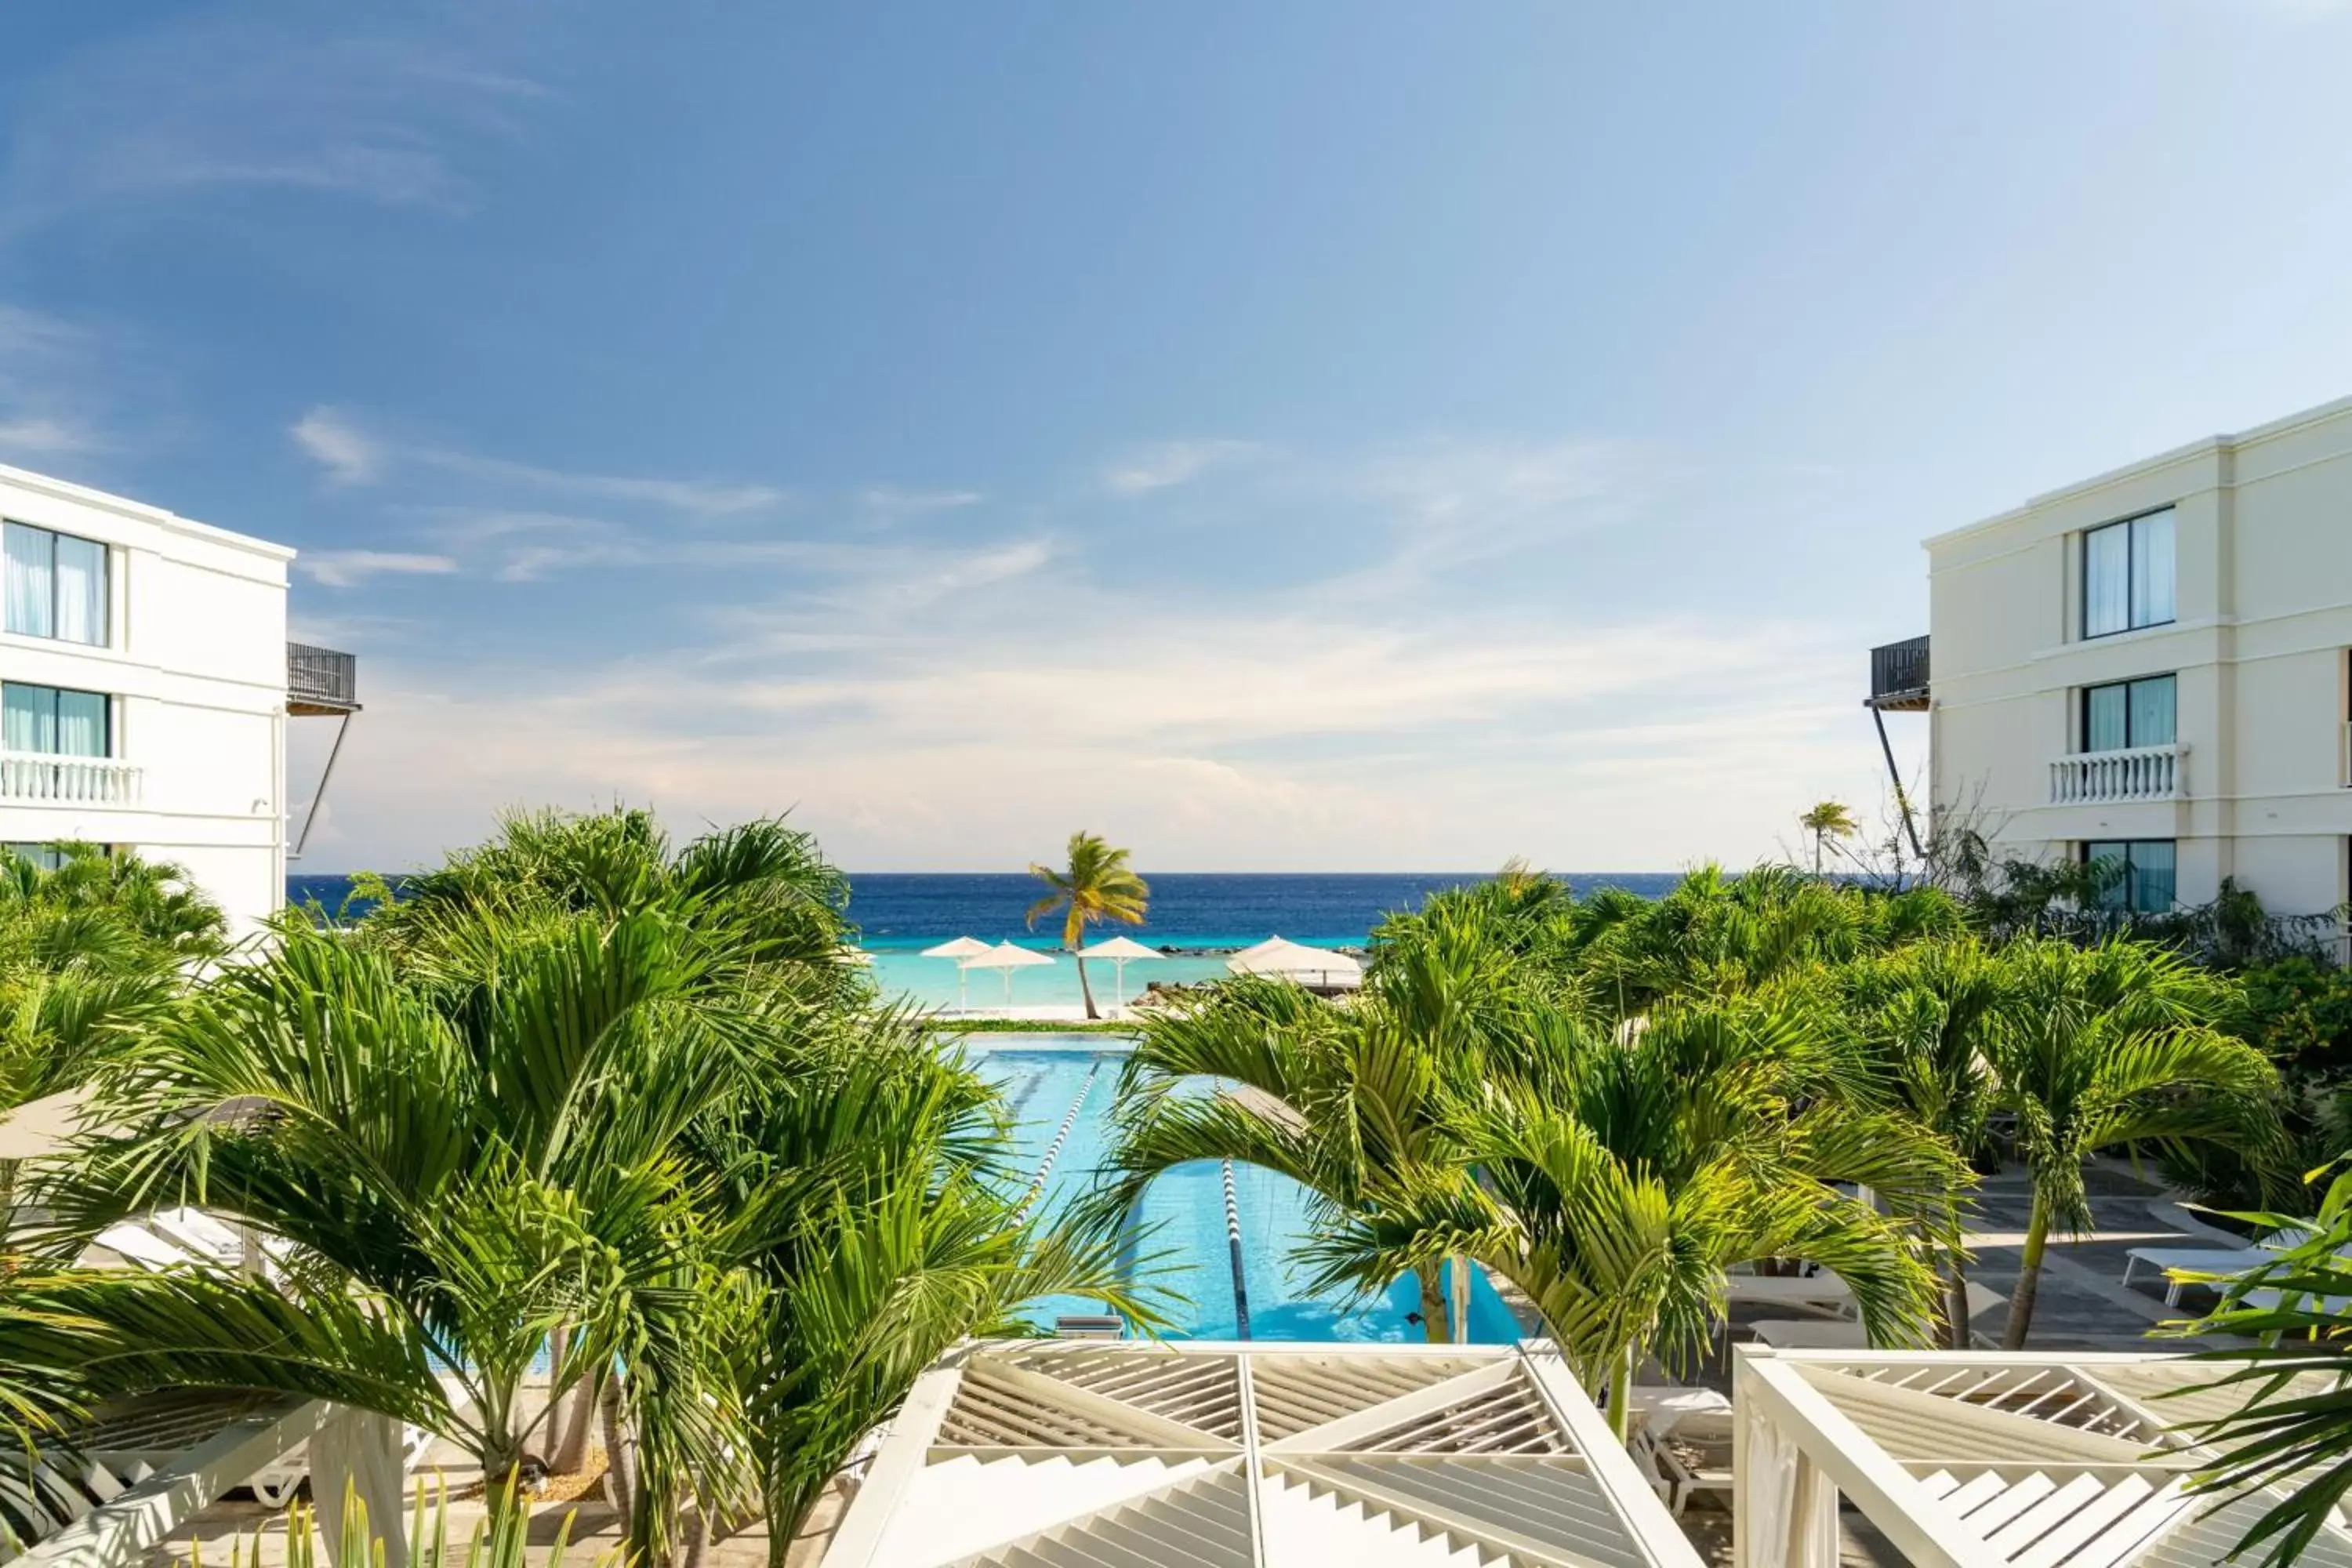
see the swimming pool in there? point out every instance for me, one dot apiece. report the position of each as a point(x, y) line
point(1060, 1090)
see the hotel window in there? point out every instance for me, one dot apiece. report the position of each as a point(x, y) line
point(2130, 713)
point(46, 722)
point(2139, 873)
point(56, 584)
point(2127, 575)
point(49, 856)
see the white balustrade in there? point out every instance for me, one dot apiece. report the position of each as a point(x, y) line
point(2348, 753)
point(2142, 773)
point(70, 781)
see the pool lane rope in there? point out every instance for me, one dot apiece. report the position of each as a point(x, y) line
point(1233, 1251)
point(1053, 1149)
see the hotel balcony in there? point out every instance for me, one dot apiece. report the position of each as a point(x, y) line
point(1899, 677)
point(48, 779)
point(2099, 778)
point(319, 681)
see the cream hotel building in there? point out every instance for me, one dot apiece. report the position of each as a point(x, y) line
point(2153, 667)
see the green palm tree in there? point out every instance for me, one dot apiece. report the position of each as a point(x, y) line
point(459, 1156)
point(1829, 820)
point(1928, 1015)
point(1096, 885)
point(1348, 1102)
point(2288, 1425)
point(1713, 935)
point(869, 1217)
point(2108, 1047)
point(1616, 1175)
point(743, 1215)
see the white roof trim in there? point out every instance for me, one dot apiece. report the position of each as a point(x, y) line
point(1992, 1459)
point(1257, 1455)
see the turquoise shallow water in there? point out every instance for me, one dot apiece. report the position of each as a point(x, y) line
point(932, 981)
point(1054, 1080)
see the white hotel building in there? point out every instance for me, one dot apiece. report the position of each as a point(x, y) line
point(2150, 667)
point(145, 682)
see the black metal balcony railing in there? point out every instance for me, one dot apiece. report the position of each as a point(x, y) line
point(319, 680)
point(1898, 673)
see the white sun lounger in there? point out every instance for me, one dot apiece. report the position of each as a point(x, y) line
point(1846, 1333)
point(2265, 1300)
point(1821, 1293)
point(2174, 1261)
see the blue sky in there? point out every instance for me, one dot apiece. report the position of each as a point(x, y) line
point(1314, 436)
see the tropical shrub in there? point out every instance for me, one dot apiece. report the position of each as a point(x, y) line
point(623, 1113)
point(2290, 1425)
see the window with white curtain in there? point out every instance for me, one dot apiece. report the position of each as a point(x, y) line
point(48, 721)
point(56, 584)
point(2136, 874)
point(2128, 576)
point(2127, 713)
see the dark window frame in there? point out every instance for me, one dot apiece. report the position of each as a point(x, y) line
point(2128, 886)
point(106, 701)
point(2131, 557)
point(2082, 711)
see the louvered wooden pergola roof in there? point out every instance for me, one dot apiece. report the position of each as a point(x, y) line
point(1056, 1454)
point(1977, 1459)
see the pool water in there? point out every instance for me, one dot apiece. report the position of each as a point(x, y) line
point(1056, 1082)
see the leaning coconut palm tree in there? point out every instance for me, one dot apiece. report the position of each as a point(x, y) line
point(2114, 1046)
point(1830, 819)
point(1615, 1177)
point(1096, 886)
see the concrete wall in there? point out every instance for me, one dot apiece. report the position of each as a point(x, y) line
point(2259, 640)
point(196, 664)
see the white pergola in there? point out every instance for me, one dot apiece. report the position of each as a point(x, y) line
point(1055, 1454)
point(145, 1466)
point(1986, 1459)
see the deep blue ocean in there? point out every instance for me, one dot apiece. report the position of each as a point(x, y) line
point(1189, 908)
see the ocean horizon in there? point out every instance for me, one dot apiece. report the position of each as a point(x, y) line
point(900, 910)
point(1194, 916)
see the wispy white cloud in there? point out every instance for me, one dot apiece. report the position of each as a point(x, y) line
point(55, 394)
point(1166, 464)
point(353, 454)
point(356, 455)
point(46, 437)
point(926, 702)
point(381, 111)
point(704, 497)
point(348, 568)
point(888, 503)
point(338, 446)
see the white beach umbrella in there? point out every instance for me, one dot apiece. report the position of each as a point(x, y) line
point(961, 947)
point(1119, 950)
point(1277, 955)
point(1008, 958)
